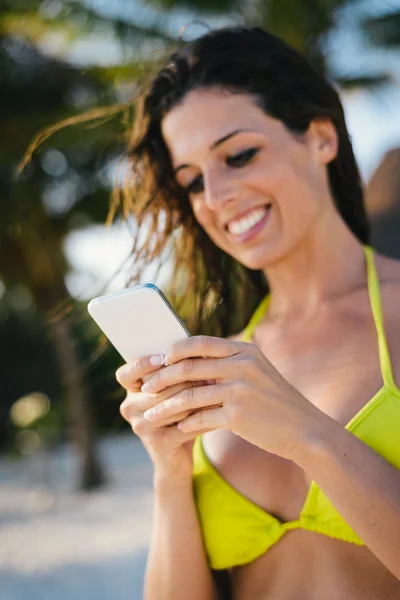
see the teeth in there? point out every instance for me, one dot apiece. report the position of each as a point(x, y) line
point(243, 225)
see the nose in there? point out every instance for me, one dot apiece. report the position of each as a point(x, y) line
point(218, 189)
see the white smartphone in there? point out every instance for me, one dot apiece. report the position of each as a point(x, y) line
point(138, 321)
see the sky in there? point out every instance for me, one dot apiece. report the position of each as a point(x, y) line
point(373, 120)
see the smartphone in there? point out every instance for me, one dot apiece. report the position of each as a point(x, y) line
point(138, 321)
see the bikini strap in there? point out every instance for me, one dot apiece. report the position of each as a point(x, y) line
point(376, 306)
point(258, 314)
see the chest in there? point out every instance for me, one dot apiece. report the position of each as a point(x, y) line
point(335, 364)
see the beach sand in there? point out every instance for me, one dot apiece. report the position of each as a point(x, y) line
point(59, 544)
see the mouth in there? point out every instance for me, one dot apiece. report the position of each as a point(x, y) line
point(248, 225)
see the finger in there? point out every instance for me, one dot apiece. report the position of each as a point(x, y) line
point(210, 418)
point(183, 437)
point(130, 413)
point(192, 369)
point(187, 400)
point(202, 346)
point(138, 402)
point(131, 374)
point(142, 426)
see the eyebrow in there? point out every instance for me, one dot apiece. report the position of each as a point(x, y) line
point(215, 145)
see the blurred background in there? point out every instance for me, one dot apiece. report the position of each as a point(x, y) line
point(75, 484)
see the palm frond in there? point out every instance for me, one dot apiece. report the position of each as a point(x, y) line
point(384, 30)
point(363, 81)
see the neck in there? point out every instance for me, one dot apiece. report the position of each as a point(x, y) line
point(325, 266)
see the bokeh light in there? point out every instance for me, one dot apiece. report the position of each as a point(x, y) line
point(28, 409)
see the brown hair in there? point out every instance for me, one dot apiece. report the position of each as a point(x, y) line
point(213, 292)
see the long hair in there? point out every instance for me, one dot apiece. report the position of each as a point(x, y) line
point(215, 293)
point(286, 87)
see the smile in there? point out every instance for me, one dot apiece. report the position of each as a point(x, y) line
point(251, 223)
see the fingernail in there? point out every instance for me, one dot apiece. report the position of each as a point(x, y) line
point(157, 360)
point(146, 386)
point(166, 361)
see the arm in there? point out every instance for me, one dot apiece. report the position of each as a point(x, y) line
point(177, 568)
point(254, 401)
point(362, 486)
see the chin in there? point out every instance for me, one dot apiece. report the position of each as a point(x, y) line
point(260, 258)
point(257, 256)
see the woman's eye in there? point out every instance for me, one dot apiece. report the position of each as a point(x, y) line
point(238, 160)
point(242, 158)
point(196, 186)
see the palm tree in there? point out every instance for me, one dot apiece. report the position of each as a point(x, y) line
point(61, 190)
point(32, 232)
point(305, 24)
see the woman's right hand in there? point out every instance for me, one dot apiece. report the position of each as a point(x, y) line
point(169, 448)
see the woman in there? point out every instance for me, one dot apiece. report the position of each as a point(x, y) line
point(290, 430)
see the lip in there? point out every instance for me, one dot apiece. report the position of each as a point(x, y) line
point(244, 237)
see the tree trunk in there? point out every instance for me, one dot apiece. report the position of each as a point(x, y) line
point(81, 424)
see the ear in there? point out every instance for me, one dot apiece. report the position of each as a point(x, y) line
point(324, 139)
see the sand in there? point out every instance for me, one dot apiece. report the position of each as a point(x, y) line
point(58, 544)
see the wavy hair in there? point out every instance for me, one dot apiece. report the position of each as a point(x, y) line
point(214, 293)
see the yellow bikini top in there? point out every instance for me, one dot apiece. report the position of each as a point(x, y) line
point(235, 530)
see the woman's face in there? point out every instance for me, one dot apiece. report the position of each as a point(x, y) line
point(256, 189)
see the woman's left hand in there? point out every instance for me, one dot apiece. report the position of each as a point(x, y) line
point(245, 394)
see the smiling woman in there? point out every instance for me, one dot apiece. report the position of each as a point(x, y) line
point(276, 454)
point(252, 98)
point(245, 181)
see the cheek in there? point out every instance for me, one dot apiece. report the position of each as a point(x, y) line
point(299, 200)
point(269, 177)
point(291, 185)
point(285, 180)
point(203, 215)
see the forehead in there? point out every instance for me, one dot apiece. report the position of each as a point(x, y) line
point(205, 116)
